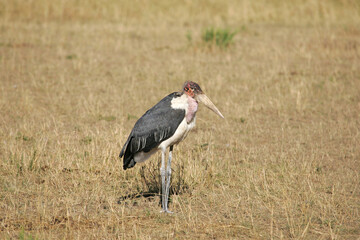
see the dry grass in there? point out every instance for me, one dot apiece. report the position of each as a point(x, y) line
point(284, 164)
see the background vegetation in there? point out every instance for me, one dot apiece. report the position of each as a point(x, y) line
point(284, 164)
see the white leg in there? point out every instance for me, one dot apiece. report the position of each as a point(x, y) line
point(162, 172)
point(168, 178)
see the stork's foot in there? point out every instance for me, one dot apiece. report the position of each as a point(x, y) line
point(166, 211)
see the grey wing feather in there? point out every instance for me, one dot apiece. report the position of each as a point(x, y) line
point(156, 125)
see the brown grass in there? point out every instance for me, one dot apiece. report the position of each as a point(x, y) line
point(75, 76)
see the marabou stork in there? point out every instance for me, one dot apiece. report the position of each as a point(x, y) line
point(164, 125)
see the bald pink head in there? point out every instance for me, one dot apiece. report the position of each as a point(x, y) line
point(193, 90)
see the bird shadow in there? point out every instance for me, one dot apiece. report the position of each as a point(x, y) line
point(147, 195)
point(150, 182)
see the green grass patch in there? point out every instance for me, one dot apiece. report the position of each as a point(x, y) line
point(218, 37)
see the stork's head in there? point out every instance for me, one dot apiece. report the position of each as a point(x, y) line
point(193, 90)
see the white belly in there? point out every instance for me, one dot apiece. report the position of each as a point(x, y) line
point(143, 156)
point(179, 135)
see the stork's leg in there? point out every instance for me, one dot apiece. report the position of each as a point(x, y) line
point(162, 172)
point(168, 178)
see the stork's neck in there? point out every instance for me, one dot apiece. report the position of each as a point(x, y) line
point(192, 109)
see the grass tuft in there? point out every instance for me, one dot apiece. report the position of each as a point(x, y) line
point(219, 37)
point(109, 118)
point(86, 140)
point(25, 236)
point(189, 37)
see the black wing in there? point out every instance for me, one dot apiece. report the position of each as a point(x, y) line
point(156, 125)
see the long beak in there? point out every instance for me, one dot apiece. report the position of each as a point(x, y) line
point(208, 103)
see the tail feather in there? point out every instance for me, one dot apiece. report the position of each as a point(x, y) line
point(129, 161)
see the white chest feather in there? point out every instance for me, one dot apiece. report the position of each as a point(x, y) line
point(187, 103)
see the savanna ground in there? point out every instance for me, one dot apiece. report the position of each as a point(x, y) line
point(284, 164)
